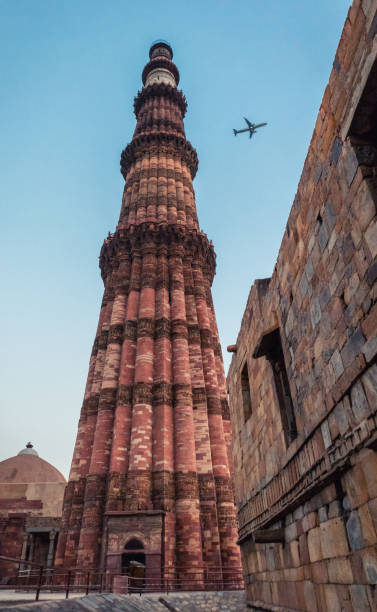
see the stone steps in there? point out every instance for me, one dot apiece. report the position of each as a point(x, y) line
point(223, 601)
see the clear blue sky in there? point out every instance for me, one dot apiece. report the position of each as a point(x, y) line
point(69, 72)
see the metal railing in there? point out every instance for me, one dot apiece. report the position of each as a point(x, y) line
point(31, 576)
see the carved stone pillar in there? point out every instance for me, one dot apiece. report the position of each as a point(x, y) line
point(50, 554)
point(31, 550)
point(24, 550)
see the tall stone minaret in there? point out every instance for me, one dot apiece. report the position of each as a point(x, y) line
point(152, 461)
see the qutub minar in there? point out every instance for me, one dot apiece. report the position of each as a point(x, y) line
point(151, 469)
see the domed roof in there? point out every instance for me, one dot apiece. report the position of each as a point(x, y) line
point(28, 467)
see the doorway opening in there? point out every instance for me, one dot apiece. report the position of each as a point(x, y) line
point(133, 564)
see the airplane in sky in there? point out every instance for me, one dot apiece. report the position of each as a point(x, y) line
point(251, 127)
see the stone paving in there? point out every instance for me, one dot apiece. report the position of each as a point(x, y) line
point(224, 601)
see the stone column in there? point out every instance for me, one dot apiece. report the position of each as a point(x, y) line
point(24, 550)
point(220, 377)
point(31, 550)
point(139, 477)
point(73, 504)
point(206, 482)
point(188, 535)
point(65, 524)
point(141, 211)
point(174, 216)
point(50, 554)
point(162, 188)
point(95, 490)
point(122, 422)
point(182, 212)
point(163, 445)
point(66, 549)
point(224, 494)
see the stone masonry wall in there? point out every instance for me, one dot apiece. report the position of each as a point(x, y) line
point(319, 486)
point(11, 538)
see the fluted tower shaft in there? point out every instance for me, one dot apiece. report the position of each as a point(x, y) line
point(152, 455)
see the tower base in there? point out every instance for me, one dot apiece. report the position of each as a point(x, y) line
point(133, 542)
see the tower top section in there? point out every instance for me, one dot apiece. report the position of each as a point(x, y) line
point(160, 68)
point(160, 48)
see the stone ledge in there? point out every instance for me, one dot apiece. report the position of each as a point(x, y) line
point(260, 605)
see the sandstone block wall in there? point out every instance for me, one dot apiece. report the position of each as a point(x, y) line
point(319, 486)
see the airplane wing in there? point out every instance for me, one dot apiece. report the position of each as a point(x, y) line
point(248, 122)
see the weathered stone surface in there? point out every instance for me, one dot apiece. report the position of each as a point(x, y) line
point(314, 544)
point(359, 598)
point(189, 602)
point(359, 404)
point(354, 532)
point(340, 571)
point(333, 538)
point(369, 381)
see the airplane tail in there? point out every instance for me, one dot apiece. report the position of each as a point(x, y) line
point(235, 132)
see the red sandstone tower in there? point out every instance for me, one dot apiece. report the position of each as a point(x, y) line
point(151, 465)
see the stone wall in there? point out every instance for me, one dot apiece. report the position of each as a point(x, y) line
point(11, 538)
point(26, 507)
point(305, 459)
point(43, 498)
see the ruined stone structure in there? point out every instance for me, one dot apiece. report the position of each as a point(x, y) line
point(150, 476)
point(303, 377)
point(31, 498)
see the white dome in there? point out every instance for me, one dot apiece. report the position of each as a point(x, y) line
point(28, 450)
